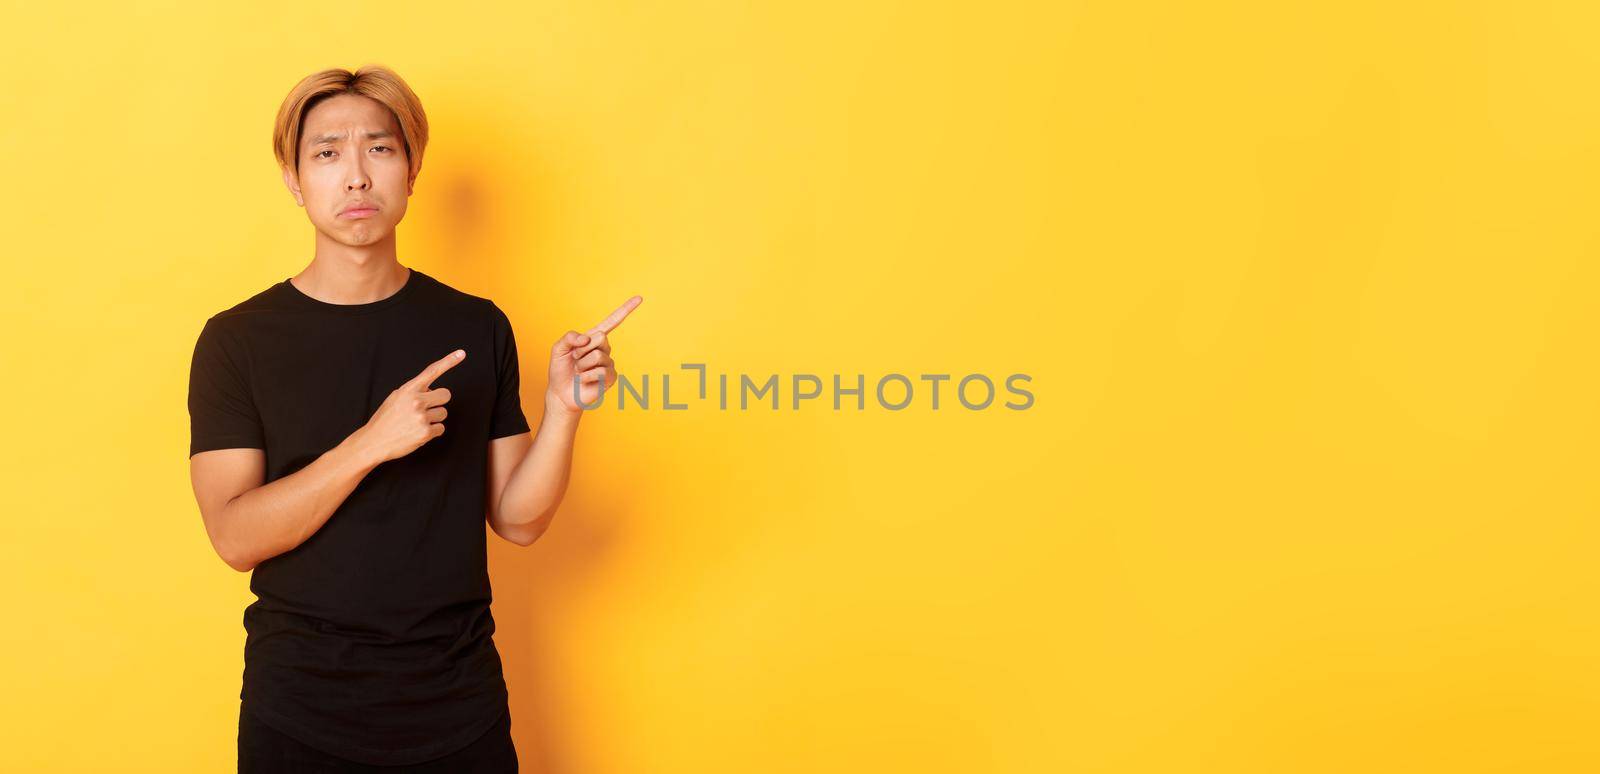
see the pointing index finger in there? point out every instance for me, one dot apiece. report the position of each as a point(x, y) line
point(438, 367)
point(615, 318)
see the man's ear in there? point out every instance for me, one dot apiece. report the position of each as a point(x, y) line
point(293, 184)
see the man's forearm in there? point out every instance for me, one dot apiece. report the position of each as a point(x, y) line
point(539, 482)
point(274, 518)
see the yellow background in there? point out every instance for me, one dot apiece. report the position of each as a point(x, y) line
point(1306, 487)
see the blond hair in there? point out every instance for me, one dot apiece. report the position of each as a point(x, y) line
point(374, 81)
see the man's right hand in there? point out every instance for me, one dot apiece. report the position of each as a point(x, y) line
point(412, 415)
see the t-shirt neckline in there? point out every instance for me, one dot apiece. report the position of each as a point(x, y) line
point(413, 278)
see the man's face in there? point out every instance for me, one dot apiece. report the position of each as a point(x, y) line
point(352, 153)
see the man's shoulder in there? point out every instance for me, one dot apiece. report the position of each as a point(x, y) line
point(261, 301)
point(278, 297)
point(452, 295)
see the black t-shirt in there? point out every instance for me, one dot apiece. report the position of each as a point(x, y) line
point(371, 640)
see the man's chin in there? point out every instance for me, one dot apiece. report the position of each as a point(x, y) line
point(359, 236)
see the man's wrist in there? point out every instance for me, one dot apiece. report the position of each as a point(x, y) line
point(555, 407)
point(353, 451)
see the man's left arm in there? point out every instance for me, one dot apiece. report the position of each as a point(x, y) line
point(528, 476)
point(528, 473)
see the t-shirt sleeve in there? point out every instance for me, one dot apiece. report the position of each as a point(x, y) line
point(222, 415)
point(508, 418)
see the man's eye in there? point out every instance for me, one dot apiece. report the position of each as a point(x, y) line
point(319, 153)
point(385, 147)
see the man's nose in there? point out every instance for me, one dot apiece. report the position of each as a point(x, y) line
point(358, 177)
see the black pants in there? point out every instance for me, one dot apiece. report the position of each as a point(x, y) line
point(266, 750)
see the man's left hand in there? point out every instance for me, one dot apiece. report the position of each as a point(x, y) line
point(585, 357)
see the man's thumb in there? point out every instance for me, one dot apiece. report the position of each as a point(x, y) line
point(571, 341)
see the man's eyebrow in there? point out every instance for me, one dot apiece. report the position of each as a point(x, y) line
point(376, 135)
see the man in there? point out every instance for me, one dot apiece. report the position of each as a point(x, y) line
point(353, 427)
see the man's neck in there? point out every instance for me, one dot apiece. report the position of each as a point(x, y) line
point(342, 274)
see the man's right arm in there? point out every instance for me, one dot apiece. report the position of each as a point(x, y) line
point(249, 522)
